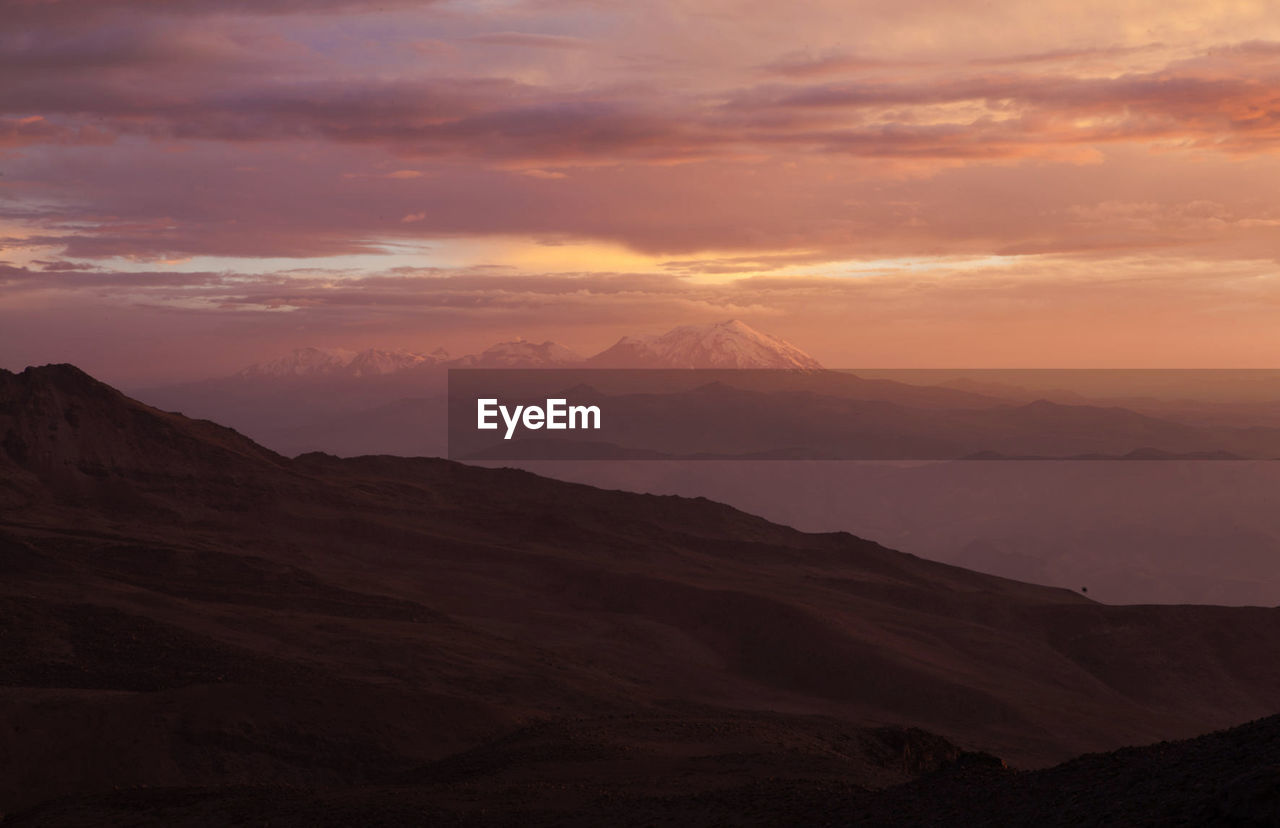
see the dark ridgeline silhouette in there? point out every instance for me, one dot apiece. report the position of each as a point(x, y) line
point(197, 630)
point(1135, 532)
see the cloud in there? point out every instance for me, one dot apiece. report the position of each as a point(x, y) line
point(1011, 114)
point(163, 131)
point(889, 179)
point(960, 312)
point(76, 12)
point(36, 129)
point(1064, 55)
point(806, 65)
point(530, 40)
point(62, 266)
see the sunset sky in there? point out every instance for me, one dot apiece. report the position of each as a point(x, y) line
point(192, 185)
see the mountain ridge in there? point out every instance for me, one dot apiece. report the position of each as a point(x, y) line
point(331, 622)
point(729, 344)
point(309, 362)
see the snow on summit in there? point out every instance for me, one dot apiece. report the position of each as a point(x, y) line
point(301, 362)
point(730, 344)
point(314, 362)
point(521, 353)
point(376, 362)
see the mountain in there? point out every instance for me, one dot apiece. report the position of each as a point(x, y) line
point(1169, 532)
point(731, 344)
point(317, 390)
point(319, 365)
point(313, 363)
point(520, 353)
point(375, 362)
point(189, 618)
point(301, 362)
point(66, 438)
point(1016, 393)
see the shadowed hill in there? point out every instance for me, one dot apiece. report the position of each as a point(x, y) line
point(58, 416)
point(83, 441)
point(254, 620)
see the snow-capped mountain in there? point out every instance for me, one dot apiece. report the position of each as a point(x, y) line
point(314, 363)
point(301, 362)
point(376, 362)
point(731, 344)
point(521, 353)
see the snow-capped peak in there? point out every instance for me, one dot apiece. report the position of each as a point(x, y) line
point(376, 362)
point(729, 344)
point(311, 363)
point(521, 353)
point(301, 362)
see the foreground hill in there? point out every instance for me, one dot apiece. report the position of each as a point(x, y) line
point(184, 608)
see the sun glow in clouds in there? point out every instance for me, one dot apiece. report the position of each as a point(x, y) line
point(918, 175)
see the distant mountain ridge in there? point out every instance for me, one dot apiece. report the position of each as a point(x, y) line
point(728, 344)
point(731, 344)
point(520, 353)
point(315, 362)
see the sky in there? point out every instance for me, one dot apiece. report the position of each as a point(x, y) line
point(189, 186)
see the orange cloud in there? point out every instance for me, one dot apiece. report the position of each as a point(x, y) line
point(852, 150)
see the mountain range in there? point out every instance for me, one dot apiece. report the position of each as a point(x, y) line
point(1168, 531)
point(729, 344)
point(314, 362)
point(315, 398)
point(197, 627)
